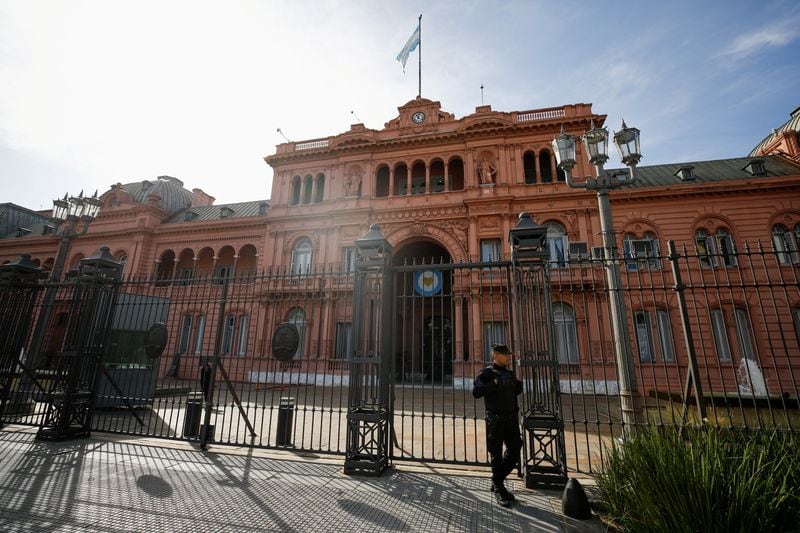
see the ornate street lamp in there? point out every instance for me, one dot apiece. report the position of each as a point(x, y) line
point(595, 140)
point(72, 216)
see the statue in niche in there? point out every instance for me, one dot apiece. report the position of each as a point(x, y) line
point(486, 172)
point(352, 185)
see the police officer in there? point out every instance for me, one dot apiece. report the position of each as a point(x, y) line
point(499, 387)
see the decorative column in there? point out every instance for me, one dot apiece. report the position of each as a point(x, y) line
point(519, 168)
point(428, 186)
point(470, 179)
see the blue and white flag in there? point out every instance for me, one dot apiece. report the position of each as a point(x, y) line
point(410, 46)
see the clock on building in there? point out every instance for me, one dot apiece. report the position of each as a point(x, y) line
point(418, 117)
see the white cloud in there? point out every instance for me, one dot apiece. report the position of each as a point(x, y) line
point(761, 39)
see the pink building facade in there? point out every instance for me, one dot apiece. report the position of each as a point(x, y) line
point(445, 189)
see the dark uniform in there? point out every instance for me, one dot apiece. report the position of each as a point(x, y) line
point(499, 387)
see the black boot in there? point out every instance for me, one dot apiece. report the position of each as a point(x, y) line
point(502, 495)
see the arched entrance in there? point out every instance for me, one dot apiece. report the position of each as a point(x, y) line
point(424, 309)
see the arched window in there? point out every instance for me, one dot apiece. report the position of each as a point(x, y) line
point(400, 180)
point(122, 258)
point(565, 334)
point(295, 195)
point(437, 176)
point(298, 317)
point(382, 181)
point(418, 185)
point(165, 265)
point(529, 167)
point(308, 185)
point(786, 244)
point(557, 243)
point(641, 253)
point(455, 174)
point(320, 188)
point(544, 166)
point(715, 250)
point(301, 257)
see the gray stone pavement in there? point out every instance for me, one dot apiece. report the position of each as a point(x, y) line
point(113, 484)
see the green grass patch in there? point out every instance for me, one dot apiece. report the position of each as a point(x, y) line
point(704, 480)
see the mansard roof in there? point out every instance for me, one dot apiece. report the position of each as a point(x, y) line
point(706, 172)
point(218, 212)
point(17, 221)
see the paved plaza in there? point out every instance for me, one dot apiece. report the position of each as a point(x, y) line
point(113, 484)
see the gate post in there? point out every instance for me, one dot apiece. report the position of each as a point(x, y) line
point(19, 285)
point(544, 448)
point(72, 393)
point(369, 410)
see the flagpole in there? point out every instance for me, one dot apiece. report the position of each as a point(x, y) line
point(419, 74)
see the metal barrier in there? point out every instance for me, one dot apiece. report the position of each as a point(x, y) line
point(715, 339)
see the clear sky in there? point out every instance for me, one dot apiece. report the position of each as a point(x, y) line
point(98, 92)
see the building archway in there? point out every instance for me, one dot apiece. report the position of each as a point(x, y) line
point(423, 287)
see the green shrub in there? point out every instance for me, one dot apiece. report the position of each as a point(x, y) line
point(706, 480)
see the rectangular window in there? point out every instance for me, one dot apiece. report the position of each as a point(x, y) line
point(720, 335)
point(301, 261)
point(227, 334)
point(493, 333)
point(643, 336)
point(244, 322)
point(565, 337)
point(557, 247)
point(344, 340)
point(349, 255)
point(186, 334)
point(665, 340)
point(198, 340)
point(490, 250)
point(743, 334)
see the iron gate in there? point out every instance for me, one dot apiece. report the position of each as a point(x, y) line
point(443, 317)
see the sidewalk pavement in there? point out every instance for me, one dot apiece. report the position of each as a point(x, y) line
point(112, 484)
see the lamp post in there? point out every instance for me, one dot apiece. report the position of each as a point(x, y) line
point(596, 143)
point(72, 215)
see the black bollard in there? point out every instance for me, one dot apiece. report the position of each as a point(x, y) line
point(574, 502)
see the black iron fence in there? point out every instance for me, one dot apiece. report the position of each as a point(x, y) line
point(715, 339)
